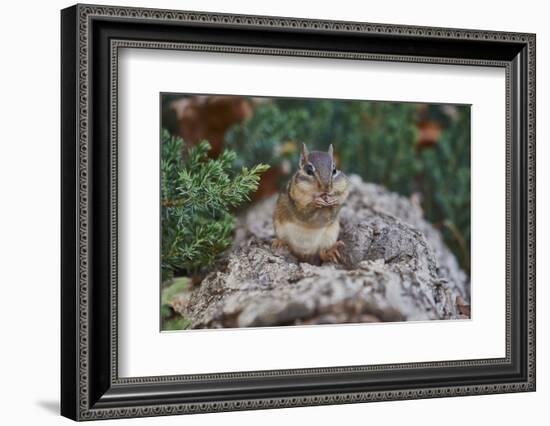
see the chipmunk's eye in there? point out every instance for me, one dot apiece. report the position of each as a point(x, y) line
point(333, 171)
point(309, 169)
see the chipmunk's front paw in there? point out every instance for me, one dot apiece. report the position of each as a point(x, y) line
point(325, 200)
point(332, 254)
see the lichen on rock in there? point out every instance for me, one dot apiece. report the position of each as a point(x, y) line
point(396, 267)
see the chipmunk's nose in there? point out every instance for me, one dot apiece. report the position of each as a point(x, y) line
point(325, 183)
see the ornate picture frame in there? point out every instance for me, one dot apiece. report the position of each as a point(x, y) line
point(91, 37)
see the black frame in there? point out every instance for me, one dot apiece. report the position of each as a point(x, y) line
point(90, 38)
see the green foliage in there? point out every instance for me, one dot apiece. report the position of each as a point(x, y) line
point(446, 186)
point(198, 195)
point(171, 320)
point(378, 141)
point(373, 139)
point(173, 287)
point(261, 138)
point(175, 323)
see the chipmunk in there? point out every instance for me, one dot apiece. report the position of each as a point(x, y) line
point(306, 214)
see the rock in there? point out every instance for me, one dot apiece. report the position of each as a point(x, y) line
point(396, 268)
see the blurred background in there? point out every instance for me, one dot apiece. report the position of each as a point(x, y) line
point(418, 150)
point(421, 151)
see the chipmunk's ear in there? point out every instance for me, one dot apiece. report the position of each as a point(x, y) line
point(304, 155)
point(331, 151)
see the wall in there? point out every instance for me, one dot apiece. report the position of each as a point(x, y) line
point(29, 229)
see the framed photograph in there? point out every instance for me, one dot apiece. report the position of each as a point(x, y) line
point(263, 212)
